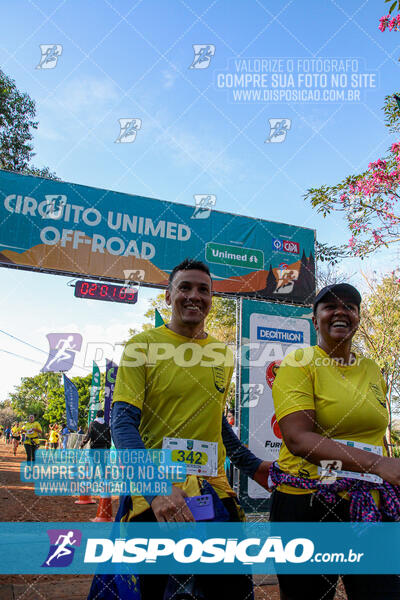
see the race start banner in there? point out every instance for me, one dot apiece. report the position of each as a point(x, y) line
point(65, 228)
point(269, 331)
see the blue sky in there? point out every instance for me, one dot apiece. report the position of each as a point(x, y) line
point(131, 60)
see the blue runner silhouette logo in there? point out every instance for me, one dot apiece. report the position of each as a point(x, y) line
point(62, 547)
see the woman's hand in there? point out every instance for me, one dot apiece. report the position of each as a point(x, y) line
point(388, 469)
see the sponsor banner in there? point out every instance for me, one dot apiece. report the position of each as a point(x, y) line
point(111, 376)
point(286, 246)
point(94, 402)
point(269, 333)
point(215, 548)
point(61, 227)
point(71, 404)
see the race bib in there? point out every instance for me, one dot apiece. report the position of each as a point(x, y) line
point(352, 474)
point(200, 458)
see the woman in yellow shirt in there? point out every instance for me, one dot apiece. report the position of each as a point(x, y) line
point(54, 436)
point(32, 431)
point(331, 406)
point(16, 436)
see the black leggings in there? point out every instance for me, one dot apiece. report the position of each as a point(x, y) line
point(291, 507)
point(30, 452)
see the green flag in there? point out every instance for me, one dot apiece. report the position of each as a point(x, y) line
point(94, 404)
point(158, 319)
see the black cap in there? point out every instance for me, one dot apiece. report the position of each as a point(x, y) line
point(339, 290)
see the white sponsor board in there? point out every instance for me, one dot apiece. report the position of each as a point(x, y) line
point(272, 337)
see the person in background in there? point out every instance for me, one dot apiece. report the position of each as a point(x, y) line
point(32, 430)
point(330, 403)
point(7, 434)
point(99, 436)
point(98, 433)
point(230, 418)
point(16, 436)
point(64, 435)
point(54, 437)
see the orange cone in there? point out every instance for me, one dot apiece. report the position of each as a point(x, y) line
point(85, 500)
point(104, 511)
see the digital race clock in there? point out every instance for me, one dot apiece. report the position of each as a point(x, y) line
point(106, 291)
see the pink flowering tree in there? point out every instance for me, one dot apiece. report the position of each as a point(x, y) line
point(393, 24)
point(388, 22)
point(369, 201)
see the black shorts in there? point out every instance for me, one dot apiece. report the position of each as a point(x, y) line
point(309, 508)
point(16, 437)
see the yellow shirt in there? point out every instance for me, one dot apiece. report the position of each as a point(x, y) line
point(349, 403)
point(30, 435)
point(180, 386)
point(53, 437)
point(16, 431)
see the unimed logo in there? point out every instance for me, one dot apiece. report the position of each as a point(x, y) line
point(272, 334)
point(192, 550)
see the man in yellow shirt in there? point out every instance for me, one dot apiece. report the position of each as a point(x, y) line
point(170, 392)
point(32, 430)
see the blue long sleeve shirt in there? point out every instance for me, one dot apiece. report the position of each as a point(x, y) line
point(125, 421)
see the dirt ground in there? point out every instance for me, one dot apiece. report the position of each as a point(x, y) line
point(19, 503)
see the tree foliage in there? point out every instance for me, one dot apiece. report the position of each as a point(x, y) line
point(17, 123)
point(43, 396)
point(7, 414)
point(378, 336)
point(368, 200)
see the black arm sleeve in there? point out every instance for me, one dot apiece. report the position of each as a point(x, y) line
point(240, 456)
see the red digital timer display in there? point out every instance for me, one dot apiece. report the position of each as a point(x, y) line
point(105, 291)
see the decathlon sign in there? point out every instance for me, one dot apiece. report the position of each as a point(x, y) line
point(272, 334)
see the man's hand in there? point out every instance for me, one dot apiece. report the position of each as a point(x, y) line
point(173, 507)
point(261, 475)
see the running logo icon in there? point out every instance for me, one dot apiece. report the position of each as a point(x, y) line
point(133, 276)
point(50, 55)
point(54, 206)
point(278, 129)
point(203, 54)
point(204, 205)
point(62, 547)
point(62, 351)
point(128, 130)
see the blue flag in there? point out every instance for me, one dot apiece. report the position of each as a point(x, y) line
point(111, 376)
point(71, 404)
